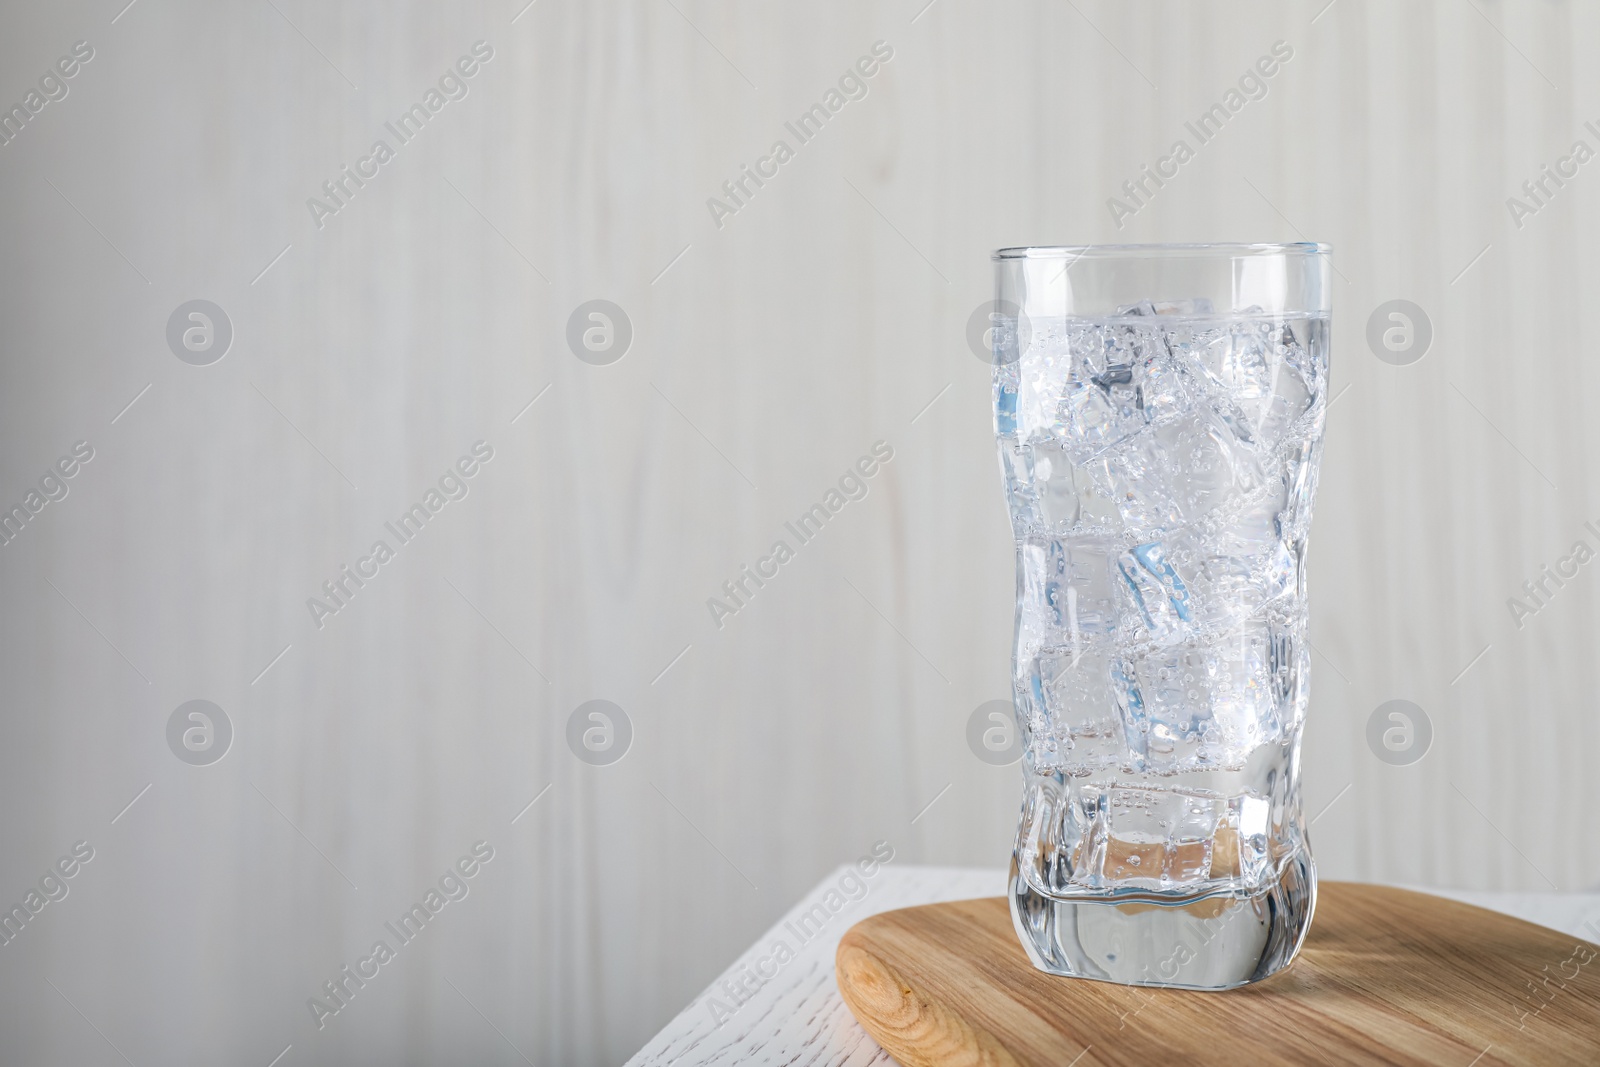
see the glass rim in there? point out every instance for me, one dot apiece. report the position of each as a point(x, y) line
point(1153, 251)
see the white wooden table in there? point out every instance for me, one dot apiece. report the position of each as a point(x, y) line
point(778, 1004)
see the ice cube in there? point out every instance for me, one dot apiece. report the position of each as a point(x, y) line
point(1190, 844)
point(1195, 306)
point(1136, 840)
point(1289, 668)
point(1009, 336)
point(1214, 582)
point(1125, 689)
point(1290, 397)
point(1093, 816)
point(1301, 465)
point(1156, 592)
point(1244, 691)
point(1097, 418)
point(1180, 472)
point(1186, 340)
point(1231, 580)
point(1164, 838)
point(1123, 379)
point(1054, 482)
point(1047, 746)
point(1069, 586)
point(1164, 388)
point(1005, 401)
point(1249, 815)
point(1258, 374)
point(1075, 689)
point(1096, 509)
point(1264, 420)
point(1227, 588)
point(1174, 705)
point(1021, 496)
point(1238, 361)
point(1042, 379)
point(1255, 536)
point(1050, 492)
point(1209, 702)
point(1242, 561)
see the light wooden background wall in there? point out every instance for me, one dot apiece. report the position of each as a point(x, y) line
point(828, 314)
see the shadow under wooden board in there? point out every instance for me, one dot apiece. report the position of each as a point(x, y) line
point(1387, 976)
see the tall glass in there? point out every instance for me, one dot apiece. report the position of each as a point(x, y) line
point(1159, 410)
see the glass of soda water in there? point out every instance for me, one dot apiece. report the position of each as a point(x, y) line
point(1159, 411)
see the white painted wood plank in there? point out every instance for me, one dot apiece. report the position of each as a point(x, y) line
point(797, 1017)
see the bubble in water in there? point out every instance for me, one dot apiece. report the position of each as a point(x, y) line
point(1160, 470)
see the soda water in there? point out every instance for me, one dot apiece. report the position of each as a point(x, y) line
point(1160, 464)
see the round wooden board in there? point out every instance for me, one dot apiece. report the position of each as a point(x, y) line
point(1387, 976)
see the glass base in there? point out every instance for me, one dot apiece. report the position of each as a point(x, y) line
point(1217, 941)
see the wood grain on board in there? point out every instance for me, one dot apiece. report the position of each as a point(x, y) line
point(1387, 976)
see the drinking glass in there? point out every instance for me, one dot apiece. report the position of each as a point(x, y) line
point(1159, 412)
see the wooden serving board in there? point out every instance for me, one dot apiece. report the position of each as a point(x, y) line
point(1386, 976)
